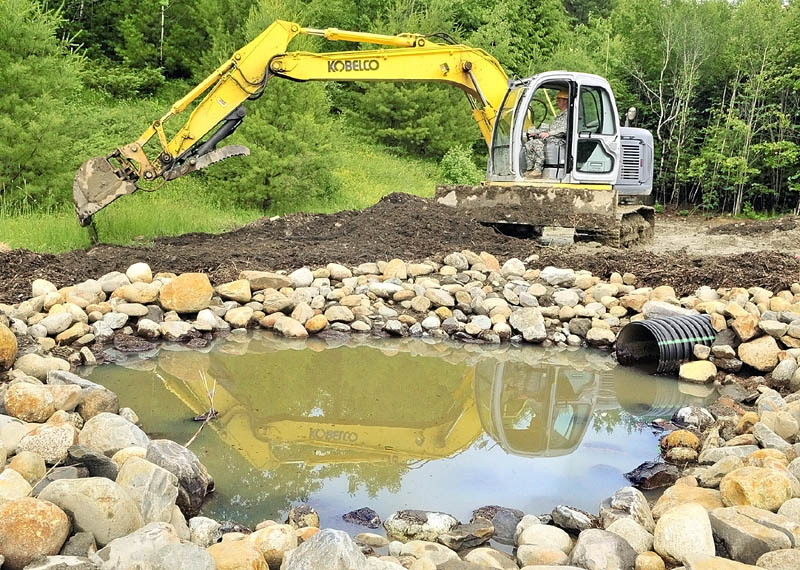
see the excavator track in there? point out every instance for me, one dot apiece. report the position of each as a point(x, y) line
point(572, 213)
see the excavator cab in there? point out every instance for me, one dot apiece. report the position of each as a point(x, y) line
point(587, 152)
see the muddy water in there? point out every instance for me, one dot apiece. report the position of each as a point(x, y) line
point(398, 424)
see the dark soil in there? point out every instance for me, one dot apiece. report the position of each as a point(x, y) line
point(401, 226)
point(750, 227)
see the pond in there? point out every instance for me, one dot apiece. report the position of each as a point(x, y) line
point(393, 424)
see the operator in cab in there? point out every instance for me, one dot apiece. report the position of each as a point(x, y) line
point(534, 146)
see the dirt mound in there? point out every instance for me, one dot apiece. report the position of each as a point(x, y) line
point(401, 226)
point(755, 227)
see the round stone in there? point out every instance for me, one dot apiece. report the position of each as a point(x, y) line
point(30, 528)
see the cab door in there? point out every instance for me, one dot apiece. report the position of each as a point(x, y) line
point(596, 144)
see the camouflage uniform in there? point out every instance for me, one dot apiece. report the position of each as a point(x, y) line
point(534, 148)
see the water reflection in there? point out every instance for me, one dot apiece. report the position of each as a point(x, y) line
point(315, 420)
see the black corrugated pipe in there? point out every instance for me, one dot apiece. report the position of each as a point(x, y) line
point(660, 345)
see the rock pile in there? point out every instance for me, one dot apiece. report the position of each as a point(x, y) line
point(83, 486)
point(468, 296)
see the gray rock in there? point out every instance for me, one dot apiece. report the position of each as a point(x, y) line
point(79, 544)
point(653, 475)
point(95, 505)
point(633, 533)
point(204, 531)
point(557, 277)
point(61, 562)
point(504, 521)
point(155, 546)
point(512, 268)
point(602, 550)
point(418, 525)
point(457, 260)
point(694, 416)
point(628, 502)
point(467, 535)
point(769, 439)
point(363, 517)
point(152, 488)
point(566, 297)
point(662, 310)
point(193, 478)
point(302, 277)
point(98, 464)
point(329, 549)
point(64, 377)
point(57, 323)
point(57, 474)
point(711, 456)
point(116, 320)
point(784, 371)
point(529, 322)
point(744, 539)
point(108, 433)
point(570, 518)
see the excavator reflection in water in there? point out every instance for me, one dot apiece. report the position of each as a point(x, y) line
point(353, 406)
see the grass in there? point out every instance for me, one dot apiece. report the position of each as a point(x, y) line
point(180, 207)
point(367, 173)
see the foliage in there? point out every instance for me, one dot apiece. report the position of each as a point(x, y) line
point(39, 75)
point(457, 167)
point(717, 82)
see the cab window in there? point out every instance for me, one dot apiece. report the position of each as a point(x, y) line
point(595, 118)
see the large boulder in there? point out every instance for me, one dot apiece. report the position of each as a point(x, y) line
point(108, 433)
point(681, 494)
point(328, 549)
point(152, 488)
point(418, 525)
point(273, 542)
point(627, 502)
point(96, 505)
point(187, 293)
point(240, 555)
point(602, 550)
point(30, 528)
point(744, 538)
point(155, 546)
point(193, 477)
point(682, 532)
point(8, 347)
point(761, 353)
point(547, 536)
point(757, 486)
point(530, 323)
point(50, 441)
point(29, 402)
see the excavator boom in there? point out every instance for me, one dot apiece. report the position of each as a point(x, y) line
point(101, 180)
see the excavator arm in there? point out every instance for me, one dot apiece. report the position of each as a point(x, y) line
point(101, 180)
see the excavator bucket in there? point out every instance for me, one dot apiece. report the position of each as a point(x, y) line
point(98, 183)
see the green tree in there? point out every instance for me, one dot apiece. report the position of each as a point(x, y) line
point(40, 75)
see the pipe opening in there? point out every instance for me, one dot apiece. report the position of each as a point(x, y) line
point(658, 346)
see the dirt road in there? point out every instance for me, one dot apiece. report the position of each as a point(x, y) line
point(686, 253)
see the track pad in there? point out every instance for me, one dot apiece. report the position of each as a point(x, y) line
point(97, 184)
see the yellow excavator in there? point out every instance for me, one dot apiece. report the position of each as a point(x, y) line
point(531, 409)
point(592, 178)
